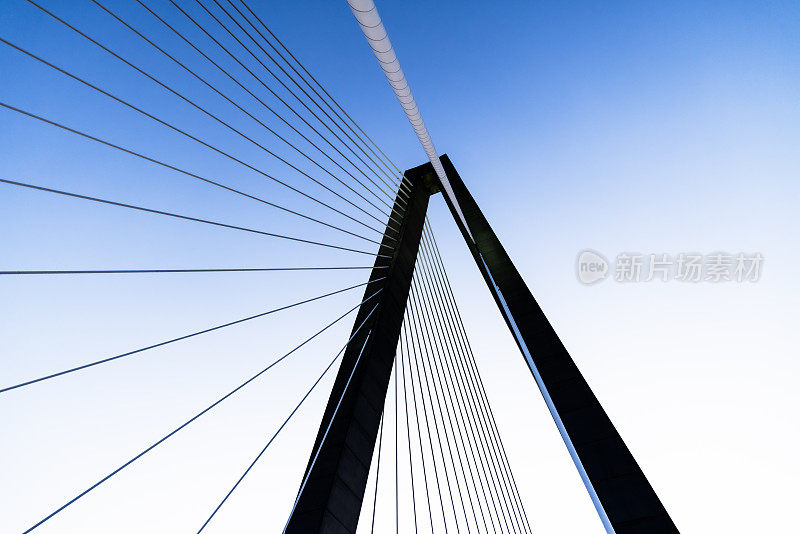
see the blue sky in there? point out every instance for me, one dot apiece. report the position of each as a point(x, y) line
point(652, 128)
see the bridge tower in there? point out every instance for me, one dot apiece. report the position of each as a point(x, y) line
point(333, 486)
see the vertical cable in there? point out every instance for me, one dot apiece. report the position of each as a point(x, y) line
point(402, 369)
point(437, 342)
point(377, 475)
point(417, 346)
point(416, 419)
point(396, 464)
point(435, 394)
point(504, 487)
point(477, 382)
point(458, 386)
point(497, 492)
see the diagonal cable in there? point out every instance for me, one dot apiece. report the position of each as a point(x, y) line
point(206, 32)
point(492, 476)
point(500, 487)
point(183, 217)
point(442, 399)
point(392, 184)
point(446, 328)
point(396, 459)
point(496, 440)
point(253, 95)
point(277, 78)
point(402, 369)
point(194, 418)
point(180, 338)
point(404, 339)
point(377, 476)
point(451, 384)
point(424, 348)
point(275, 435)
point(232, 102)
point(417, 348)
point(179, 130)
point(335, 102)
point(294, 81)
point(185, 172)
point(223, 270)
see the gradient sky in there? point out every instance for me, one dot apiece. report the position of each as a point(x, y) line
point(648, 128)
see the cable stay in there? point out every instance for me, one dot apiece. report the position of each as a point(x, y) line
point(474, 484)
point(203, 110)
point(401, 368)
point(449, 382)
point(403, 179)
point(404, 351)
point(228, 99)
point(377, 476)
point(180, 338)
point(223, 270)
point(183, 171)
point(459, 478)
point(491, 506)
point(453, 365)
point(275, 435)
point(195, 417)
point(394, 180)
point(418, 347)
point(499, 460)
point(180, 131)
point(452, 484)
point(259, 80)
point(476, 379)
point(255, 97)
point(396, 459)
point(278, 79)
point(390, 185)
point(440, 349)
point(185, 217)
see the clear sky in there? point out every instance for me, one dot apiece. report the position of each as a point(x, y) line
point(650, 128)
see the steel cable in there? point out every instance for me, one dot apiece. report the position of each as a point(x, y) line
point(424, 342)
point(240, 108)
point(403, 179)
point(389, 184)
point(184, 217)
point(435, 343)
point(252, 39)
point(192, 419)
point(474, 374)
point(417, 349)
point(223, 270)
point(257, 78)
point(286, 421)
point(180, 131)
point(180, 338)
point(185, 172)
point(446, 327)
